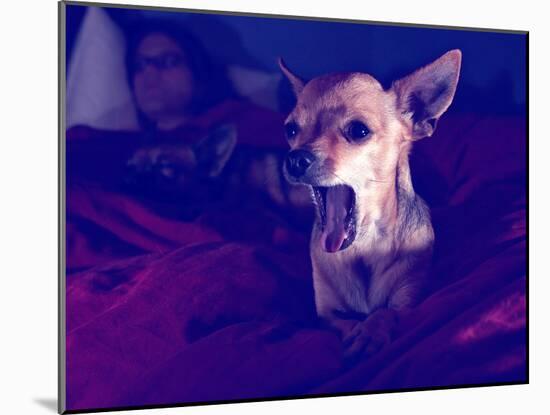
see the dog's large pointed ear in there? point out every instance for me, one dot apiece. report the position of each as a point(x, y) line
point(426, 94)
point(296, 82)
point(214, 150)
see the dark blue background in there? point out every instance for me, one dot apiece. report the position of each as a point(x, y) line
point(493, 77)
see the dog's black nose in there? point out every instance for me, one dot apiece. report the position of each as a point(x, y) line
point(298, 161)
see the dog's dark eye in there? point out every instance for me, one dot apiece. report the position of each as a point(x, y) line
point(291, 129)
point(356, 131)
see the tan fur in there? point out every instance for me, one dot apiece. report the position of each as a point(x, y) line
point(384, 269)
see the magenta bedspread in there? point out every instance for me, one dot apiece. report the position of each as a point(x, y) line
point(161, 310)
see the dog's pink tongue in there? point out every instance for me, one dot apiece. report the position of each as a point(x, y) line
point(338, 200)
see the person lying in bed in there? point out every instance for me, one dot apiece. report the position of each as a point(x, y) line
point(196, 135)
point(173, 81)
point(199, 141)
point(203, 167)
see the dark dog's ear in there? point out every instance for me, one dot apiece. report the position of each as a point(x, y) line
point(426, 94)
point(214, 151)
point(296, 82)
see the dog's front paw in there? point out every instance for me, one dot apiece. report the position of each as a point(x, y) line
point(369, 336)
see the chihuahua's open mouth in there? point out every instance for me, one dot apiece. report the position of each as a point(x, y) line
point(336, 205)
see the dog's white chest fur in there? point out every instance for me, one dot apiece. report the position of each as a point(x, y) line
point(350, 280)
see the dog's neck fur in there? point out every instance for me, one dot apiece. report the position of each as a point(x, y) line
point(385, 201)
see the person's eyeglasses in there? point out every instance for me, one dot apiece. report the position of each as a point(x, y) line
point(161, 62)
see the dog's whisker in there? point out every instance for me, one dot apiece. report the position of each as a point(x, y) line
point(378, 181)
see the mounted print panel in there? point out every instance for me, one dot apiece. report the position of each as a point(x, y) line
point(263, 207)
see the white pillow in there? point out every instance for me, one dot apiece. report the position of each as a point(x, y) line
point(98, 94)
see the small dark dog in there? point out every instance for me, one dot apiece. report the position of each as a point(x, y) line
point(210, 170)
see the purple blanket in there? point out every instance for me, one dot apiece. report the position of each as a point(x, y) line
point(162, 311)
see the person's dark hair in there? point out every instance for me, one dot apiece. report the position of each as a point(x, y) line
point(211, 84)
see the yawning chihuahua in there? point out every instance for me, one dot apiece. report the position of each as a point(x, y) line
point(371, 244)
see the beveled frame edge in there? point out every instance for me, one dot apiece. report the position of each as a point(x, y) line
point(61, 237)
